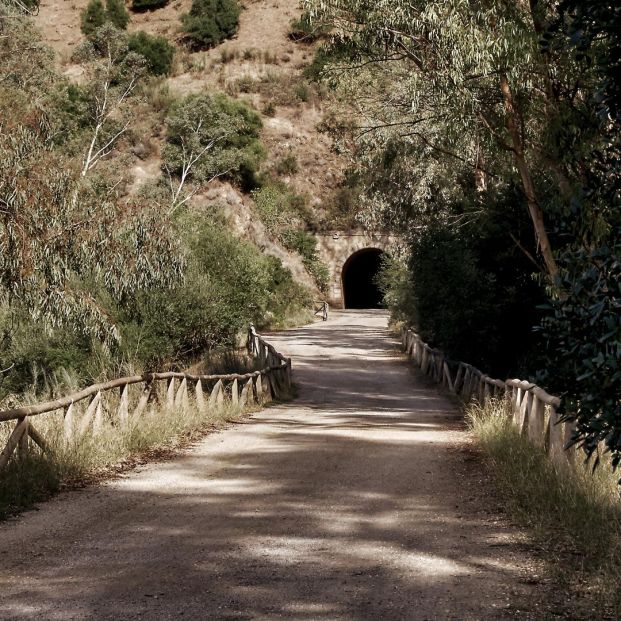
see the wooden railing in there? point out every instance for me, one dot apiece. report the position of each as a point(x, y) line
point(323, 310)
point(124, 400)
point(533, 410)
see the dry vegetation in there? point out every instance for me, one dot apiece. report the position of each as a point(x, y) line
point(574, 512)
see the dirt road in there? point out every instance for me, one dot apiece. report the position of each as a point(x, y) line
point(358, 501)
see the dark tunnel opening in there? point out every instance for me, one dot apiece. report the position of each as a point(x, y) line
point(359, 275)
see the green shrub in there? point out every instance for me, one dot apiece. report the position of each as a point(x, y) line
point(301, 241)
point(288, 165)
point(148, 5)
point(229, 283)
point(157, 50)
point(305, 244)
point(282, 212)
point(117, 14)
point(209, 22)
point(198, 120)
point(92, 17)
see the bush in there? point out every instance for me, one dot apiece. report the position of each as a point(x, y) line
point(288, 165)
point(209, 22)
point(469, 289)
point(200, 119)
point(158, 51)
point(229, 283)
point(117, 14)
point(94, 16)
point(283, 213)
point(148, 5)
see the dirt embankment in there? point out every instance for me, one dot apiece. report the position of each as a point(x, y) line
point(262, 66)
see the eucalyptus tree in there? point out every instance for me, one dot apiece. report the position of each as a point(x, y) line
point(505, 91)
point(58, 233)
point(209, 136)
point(66, 241)
point(113, 73)
point(463, 83)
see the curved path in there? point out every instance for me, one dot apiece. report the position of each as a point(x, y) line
point(358, 501)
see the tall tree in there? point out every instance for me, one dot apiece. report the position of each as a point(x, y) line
point(466, 81)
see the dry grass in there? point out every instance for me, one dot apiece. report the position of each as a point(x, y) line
point(574, 512)
point(160, 430)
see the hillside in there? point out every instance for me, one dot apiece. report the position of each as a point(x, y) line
point(262, 66)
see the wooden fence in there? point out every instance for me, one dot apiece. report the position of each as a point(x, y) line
point(123, 401)
point(533, 410)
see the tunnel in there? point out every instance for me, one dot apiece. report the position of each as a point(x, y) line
point(359, 275)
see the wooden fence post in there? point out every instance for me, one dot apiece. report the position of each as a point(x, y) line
point(536, 421)
point(14, 438)
point(170, 394)
point(181, 399)
point(23, 440)
point(123, 411)
point(200, 397)
point(216, 398)
point(246, 394)
point(88, 415)
point(235, 393)
point(68, 423)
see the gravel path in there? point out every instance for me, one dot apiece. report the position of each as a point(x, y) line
point(361, 500)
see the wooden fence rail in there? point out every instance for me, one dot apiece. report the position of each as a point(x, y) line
point(533, 410)
point(125, 399)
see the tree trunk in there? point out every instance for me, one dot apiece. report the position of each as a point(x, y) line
point(521, 164)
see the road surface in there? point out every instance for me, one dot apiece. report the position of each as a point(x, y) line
point(360, 500)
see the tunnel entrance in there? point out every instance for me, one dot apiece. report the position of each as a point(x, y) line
point(359, 273)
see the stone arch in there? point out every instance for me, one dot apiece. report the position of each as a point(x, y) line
point(337, 247)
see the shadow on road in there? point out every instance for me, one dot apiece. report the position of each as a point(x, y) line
point(359, 501)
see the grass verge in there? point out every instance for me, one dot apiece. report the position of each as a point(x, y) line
point(574, 513)
point(158, 433)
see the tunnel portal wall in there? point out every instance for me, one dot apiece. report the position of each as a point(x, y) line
point(337, 247)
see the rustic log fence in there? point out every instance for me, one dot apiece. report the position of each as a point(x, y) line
point(124, 400)
point(533, 410)
point(323, 310)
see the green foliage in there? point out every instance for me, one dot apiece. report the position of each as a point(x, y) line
point(117, 14)
point(285, 216)
point(28, 63)
point(228, 285)
point(45, 258)
point(57, 218)
point(468, 288)
point(148, 5)
point(210, 22)
point(36, 357)
point(583, 333)
point(451, 90)
point(225, 133)
point(287, 165)
point(92, 17)
point(158, 51)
